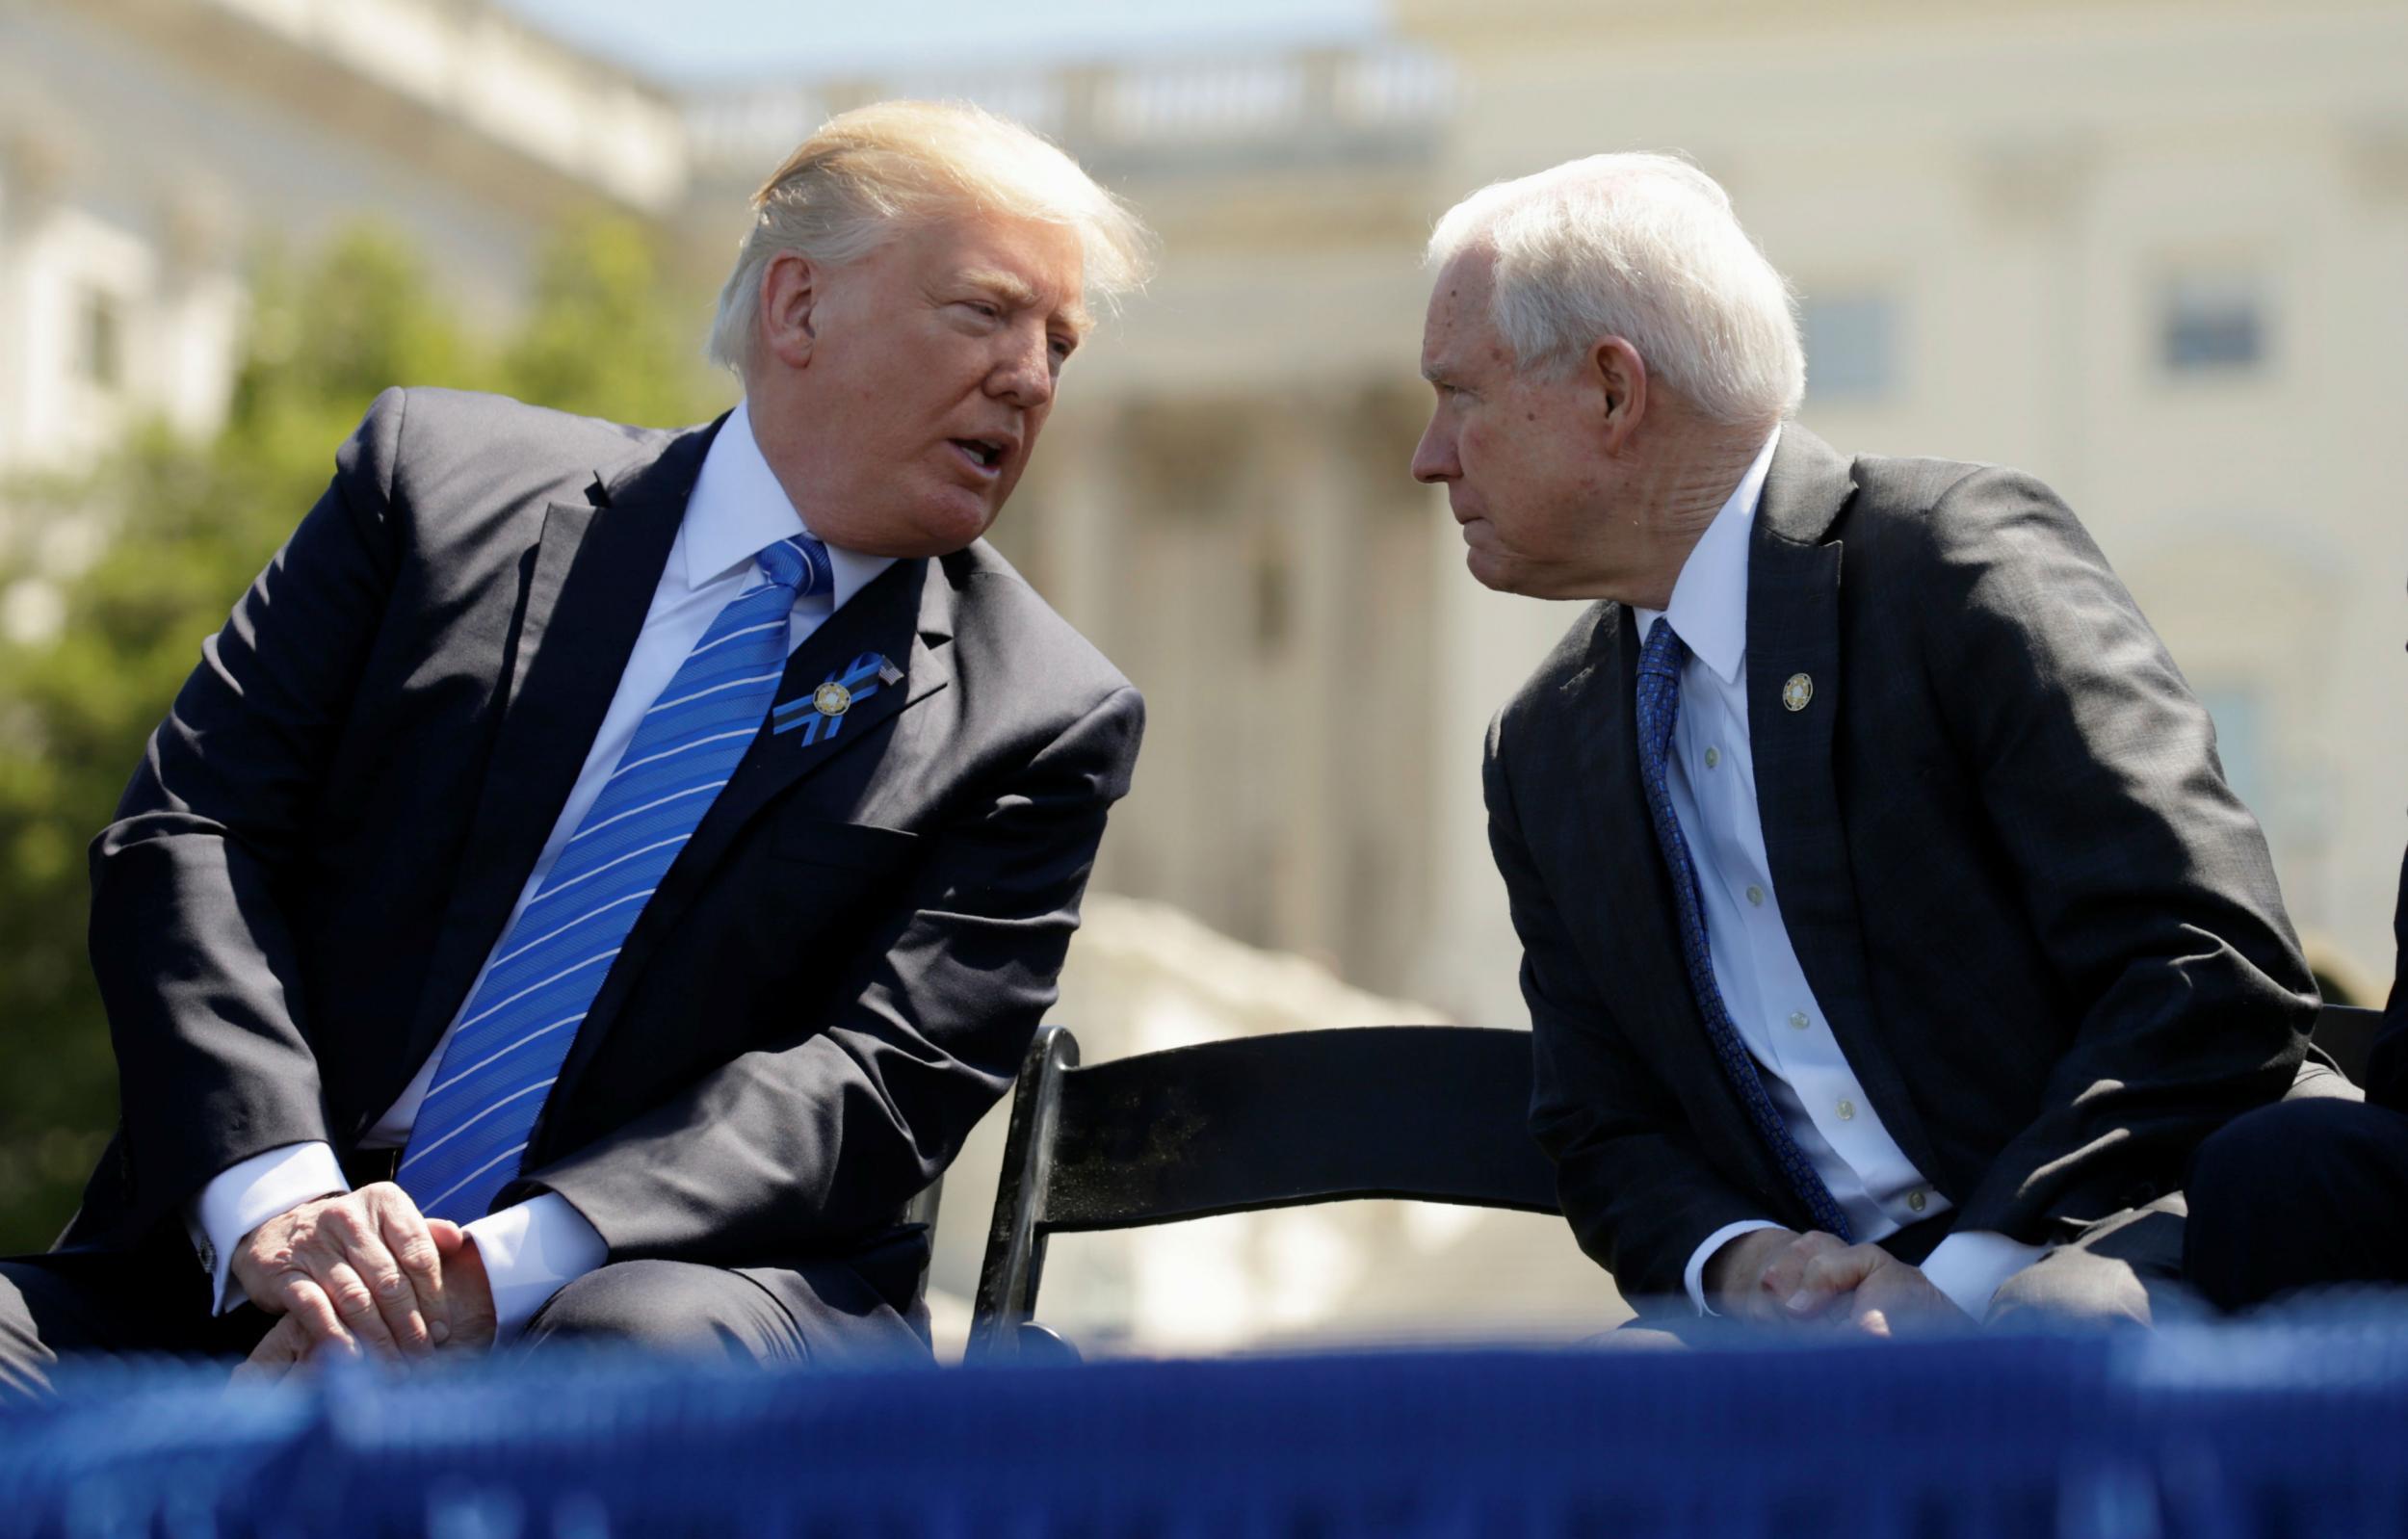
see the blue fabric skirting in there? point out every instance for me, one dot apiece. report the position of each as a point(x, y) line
point(2291, 1429)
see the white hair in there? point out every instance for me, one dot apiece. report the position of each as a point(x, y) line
point(1644, 248)
point(869, 175)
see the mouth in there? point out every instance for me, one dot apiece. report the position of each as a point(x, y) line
point(985, 456)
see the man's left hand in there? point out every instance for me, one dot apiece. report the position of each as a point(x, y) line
point(470, 1294)
point(1866, 1288)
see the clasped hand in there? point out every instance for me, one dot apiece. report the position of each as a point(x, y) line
point(363, 1271)
point(1773, 1276)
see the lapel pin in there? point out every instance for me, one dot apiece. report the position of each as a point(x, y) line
point(821, 713)
point(1797, 692)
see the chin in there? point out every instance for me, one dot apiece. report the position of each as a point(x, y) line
point(946, 524)
point(1491, 573)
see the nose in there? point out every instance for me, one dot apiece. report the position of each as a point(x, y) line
point(1433, 458)
point(1024, 374)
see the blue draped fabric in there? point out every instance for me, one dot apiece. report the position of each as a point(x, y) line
point(2291, 1429)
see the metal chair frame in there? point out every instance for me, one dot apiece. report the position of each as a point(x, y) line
point(1436, 1113)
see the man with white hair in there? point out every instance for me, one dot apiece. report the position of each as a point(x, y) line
point(1889, 934)
point(599, 874)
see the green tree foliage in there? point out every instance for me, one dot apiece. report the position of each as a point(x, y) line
point(180, 529)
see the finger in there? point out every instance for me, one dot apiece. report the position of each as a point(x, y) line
point(396, 1296)
point(1830, 1277)
point(1872, 1323)
point(305, 1302)
point(275, 1355)
point(357, 1304)
point(409, 1236)
point(1788, 1271)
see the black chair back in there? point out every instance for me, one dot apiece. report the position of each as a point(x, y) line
point(1438, 1113)
point(2346, 1031)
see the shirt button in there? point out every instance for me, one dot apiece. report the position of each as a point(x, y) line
point(1915, 1200)
point(1847, 1109)
point(1756, 896)
point(1799, 1021)
point(1713, 756)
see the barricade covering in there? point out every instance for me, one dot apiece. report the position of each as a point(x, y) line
point(2295, 1428)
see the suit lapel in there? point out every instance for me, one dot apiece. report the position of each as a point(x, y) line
point(901, 616)
point(1793, 631)
point(1638, 904)
point(1630, 924)
point(591, 581)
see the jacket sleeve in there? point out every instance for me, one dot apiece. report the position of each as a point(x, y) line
point(1638, 1190)
point(2387, 1068)
point(827, 1134)
point(194, 956)
point(2147, 883)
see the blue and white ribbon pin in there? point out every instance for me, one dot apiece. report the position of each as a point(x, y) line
point(821, 713)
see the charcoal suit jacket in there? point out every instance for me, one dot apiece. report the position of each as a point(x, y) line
point(836, 977)
point(2046, 934)
point(2387, 1066)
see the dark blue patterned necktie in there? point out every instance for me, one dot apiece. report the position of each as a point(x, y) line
point(1658, 708)
point(479, 1112)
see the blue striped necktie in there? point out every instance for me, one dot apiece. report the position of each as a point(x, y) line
point(1658, 708)
point(515, 1031)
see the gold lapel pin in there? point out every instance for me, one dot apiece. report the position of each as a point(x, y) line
point(1797, 692)
point(832, 699)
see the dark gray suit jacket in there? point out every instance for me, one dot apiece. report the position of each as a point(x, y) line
point(837, 976)
point(2046, 934)
point(2387, 1066)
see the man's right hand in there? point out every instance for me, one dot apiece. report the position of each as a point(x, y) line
point(358, 1272)
point(1753, 1277)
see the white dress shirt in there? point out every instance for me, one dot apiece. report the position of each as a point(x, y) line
point(533, 1249)
point(1710, 774)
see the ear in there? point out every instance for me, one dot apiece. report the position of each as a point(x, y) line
point(1621, 377)
point(789, 293)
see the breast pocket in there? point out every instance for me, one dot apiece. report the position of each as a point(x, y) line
point(826, 887)
point(855, 845)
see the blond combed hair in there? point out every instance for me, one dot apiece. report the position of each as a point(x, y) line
point(1645, 248)
point(870, 175)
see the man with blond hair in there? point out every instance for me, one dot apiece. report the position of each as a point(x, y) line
point(599, 874)
point(1889, 932)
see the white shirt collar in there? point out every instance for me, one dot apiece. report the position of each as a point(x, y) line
point(1708, 608)
point(738, 508)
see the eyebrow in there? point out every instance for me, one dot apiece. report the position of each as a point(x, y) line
point(1013, 290)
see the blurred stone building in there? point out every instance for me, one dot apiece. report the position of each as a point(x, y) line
point(148, 148)
point(2152, 252)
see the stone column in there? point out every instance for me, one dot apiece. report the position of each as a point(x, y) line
point(35, 160)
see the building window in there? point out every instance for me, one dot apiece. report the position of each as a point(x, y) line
point(1851, 345)
point(100, 340)
point(2211, 323)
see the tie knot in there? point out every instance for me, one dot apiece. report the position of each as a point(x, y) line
point(1663, 652)
point(799, 562)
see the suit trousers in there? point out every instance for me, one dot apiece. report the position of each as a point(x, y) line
point(57, 1307)
point(2306, 1194)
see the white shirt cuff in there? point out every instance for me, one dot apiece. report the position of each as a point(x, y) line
point(1970, 1264)
point(242, 1197)
point(532, 1250)
point(1694, 1278)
